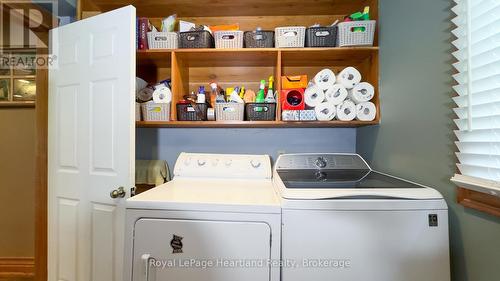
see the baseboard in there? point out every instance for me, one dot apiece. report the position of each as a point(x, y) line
point(17, 267)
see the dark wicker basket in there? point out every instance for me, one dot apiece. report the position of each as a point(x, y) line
point(321, 36)
point(260, 111)
point(196, 39)
point(259, 39)
point(186, 112)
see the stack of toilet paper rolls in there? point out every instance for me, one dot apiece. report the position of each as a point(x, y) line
point(343, 97)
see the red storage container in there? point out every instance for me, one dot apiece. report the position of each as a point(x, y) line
point(292, 99)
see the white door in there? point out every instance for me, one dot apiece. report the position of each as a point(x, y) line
point(91, 145)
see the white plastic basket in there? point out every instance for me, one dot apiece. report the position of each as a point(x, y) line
point(349, 37)
point(152, 111)
point(137, 111)
point(290, 37)
point(163, 40)
point(229, 111)
point(228, 39)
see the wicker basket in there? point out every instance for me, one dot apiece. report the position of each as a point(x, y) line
point(260, 111)
point(259, 39)
point(228, 39)
point(348, 36)
point(152, 111)
point(186, 112)
point(163, 40)
point(196, 39)
point(137, 111)
point(229, 111)
point(321, 36)
point(290, 37)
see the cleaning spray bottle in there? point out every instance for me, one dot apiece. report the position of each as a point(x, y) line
point(270, 91)
point(261, 94)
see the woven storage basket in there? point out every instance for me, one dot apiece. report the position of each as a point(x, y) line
point(259, 39)
point(229, 111)
point(137, 111)
point(152, 111)
point(196, 39)
point(228, 39)
point(163, 40)
point(323, 36)
point(349, 37)
point(260, 111)
point(290, 37)
point(186, 112)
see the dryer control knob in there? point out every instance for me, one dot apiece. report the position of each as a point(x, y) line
point(228, 162)
point(255, 163)
point(187, 161)
point(201, 162)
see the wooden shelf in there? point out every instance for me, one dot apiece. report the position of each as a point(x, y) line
point(251, 124)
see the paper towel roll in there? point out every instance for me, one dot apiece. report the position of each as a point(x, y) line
point(346, 111)
point(366, 111)
point(145, 94)
point(349, 77)
point(324, 79)
point(162, 94)
point(336, 94)
point(313, 95)
point(325, 111)
point(362, 92)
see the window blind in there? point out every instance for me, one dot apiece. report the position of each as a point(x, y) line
point(478, 94)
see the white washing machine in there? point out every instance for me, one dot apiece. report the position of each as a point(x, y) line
point(219, 219)
point(343, 221)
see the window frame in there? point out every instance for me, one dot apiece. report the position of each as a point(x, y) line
point(12, 76)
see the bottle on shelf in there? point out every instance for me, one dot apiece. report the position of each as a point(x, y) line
point(201, 95)
point(270, 91)
point(261, 94)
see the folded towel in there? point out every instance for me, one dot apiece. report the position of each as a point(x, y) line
point(153, 172)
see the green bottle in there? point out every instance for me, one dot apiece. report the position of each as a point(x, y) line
point(261, 95)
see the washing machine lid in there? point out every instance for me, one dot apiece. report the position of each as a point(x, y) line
point(340, 176)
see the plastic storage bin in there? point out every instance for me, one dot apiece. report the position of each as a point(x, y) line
point(349, 36)
point(259, 39)
point(228, 39)
point(163, 40)
point(290, 37)
point(196, 39)
point(137, 111)
point(322, 36)
point(260, 111)
point(229, 111)
point(155, 111)
point(186, 112)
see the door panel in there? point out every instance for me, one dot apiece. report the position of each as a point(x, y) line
point(91, 145)
point(215, 245)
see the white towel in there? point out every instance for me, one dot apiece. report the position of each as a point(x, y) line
point(154, 172)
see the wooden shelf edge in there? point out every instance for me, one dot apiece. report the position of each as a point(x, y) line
point(479, 201)
point(252, 124)
point(17, 104)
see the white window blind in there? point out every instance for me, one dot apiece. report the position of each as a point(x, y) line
point(478, 94)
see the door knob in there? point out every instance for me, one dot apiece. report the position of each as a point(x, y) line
point(118, 193)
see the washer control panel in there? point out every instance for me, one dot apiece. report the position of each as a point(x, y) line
point(223, 166)
point(313, 161)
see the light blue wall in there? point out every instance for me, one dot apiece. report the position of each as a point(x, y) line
point(415, 139)
point(168, 143)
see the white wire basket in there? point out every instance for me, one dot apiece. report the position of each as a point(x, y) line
point(229, 111)
point(290, 37)
point(163, 40)
point(137, 111)
point(228, 39)
point(152, 111)
point(356, 33)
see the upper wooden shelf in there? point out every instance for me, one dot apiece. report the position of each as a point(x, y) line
point(196, 8)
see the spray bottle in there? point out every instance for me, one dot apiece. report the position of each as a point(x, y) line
point(261, 95)
point(270, 91)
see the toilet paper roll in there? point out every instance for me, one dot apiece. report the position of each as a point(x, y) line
point(346, 111)
point(366, 111)
point(362, 92)
point(162, 95)
point(336, 94)
point(325, 111)
point(145, 94)
point(210, 114)
point(313, 95)
point(349, 77)
point(324, 79)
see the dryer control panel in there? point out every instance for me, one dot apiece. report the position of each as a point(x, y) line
point(237, 166)
point(315, 161)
